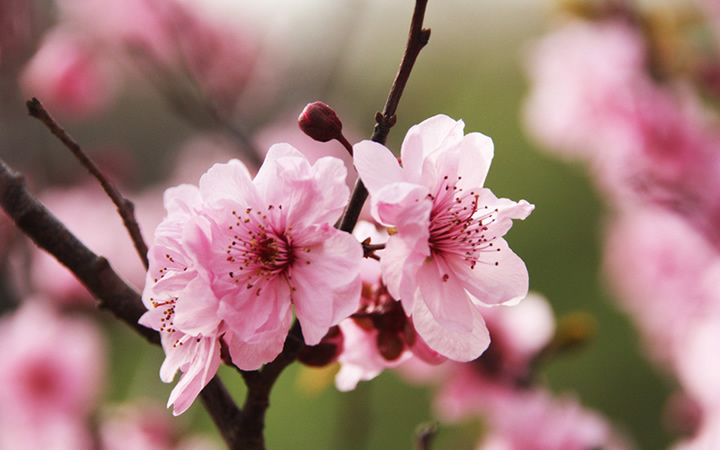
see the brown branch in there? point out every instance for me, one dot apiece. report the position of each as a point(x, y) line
point(417, 39)
point(259, 384)
point(125, 207)
point(385, 120)
point(100, 279)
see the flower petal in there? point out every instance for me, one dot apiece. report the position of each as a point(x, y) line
point(228, 181)
point(327, 284)
point(457, 346)
point(376, 165)
point(502, 278)
point(444, 296)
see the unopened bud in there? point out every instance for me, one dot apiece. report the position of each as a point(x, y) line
point(324, 353)
point(320, 122)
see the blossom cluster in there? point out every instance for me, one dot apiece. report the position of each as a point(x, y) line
point(600, 95)
point(236, 256)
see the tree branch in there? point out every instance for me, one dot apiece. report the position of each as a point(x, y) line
point(259, 384)
point(385, 120)
point(125, 207)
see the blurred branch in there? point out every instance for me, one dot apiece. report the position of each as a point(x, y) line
point(125, 207)
point(185, 96)
point(424, 434)
point(385, 120)
point(51, 235)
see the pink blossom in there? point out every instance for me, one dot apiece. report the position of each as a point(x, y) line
point(698, 366)
point(89, 214)
point(181, 305)
point(50, 377)
point(447, 258)
point(167, 38)
point(707, 437)
point(141, 426)
point(69, 76)
point(270, 246)
point(582, 79)
point(665, 275)
point(144, 426)
point(535, 420)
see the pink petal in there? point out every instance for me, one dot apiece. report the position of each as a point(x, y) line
point(474, 159)
point(203, 367)
point(376, 165)
point(245, 312)
point(425, 138)
point(180, 200)
point(228, 181)
point(327, 290)
point(454, 345)
point(406, 207)
point(196, 310)
point(503, 283)
point(444, 296)
point(263, 347)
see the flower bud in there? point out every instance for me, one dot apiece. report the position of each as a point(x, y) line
point(324, 353)
point(320, 122)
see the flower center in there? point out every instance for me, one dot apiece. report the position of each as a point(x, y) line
point(459, 226)
point(257, 251)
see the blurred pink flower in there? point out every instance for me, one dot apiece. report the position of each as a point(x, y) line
point(145, 426)
point(707, 437)
point(139, 427)
point(170, 39)
point(582, 78)
point(698, 367)
point(535, 420)
point(89, 214)
point(446, 257)
point(271, 245)
point(593, 98)
point(47, 395)
point(665, 275)
point(69, 76)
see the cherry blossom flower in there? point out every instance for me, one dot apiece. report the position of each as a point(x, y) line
point(235, 255)
point(447, 258)
point(144, 425)
point(270, 246)
point(51, 373)
point(535, 420)
point(181, 305)
point(581, 81)
point(665, 285)
point(166, 38)
point(69, 76)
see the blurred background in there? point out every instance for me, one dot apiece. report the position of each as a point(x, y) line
point(157, 93)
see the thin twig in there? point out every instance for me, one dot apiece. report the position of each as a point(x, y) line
point(125, 207)
point(385, 120)
point(94, 271)
point(424, 434)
